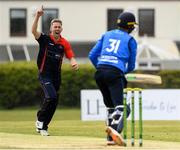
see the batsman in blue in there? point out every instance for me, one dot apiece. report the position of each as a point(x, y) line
point(114, 55)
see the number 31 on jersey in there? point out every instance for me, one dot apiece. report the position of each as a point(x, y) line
point(114, 45)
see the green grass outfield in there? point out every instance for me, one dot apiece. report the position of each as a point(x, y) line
point(67, 131)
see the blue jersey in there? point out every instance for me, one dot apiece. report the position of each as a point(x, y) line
point(115, 48)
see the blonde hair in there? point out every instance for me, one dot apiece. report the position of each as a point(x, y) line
point(56, 20)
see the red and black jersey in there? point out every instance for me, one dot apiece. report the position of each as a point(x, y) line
point(51, 53)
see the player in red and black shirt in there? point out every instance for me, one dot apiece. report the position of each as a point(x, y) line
point(52, 49)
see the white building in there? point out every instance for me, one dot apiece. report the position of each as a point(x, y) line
point(84, 21)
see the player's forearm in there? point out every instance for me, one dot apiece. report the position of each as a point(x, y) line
point(34, 27)
point(73, 63)
point(130, 68)
point(93, 58)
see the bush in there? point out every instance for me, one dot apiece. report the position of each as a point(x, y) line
point(73, 82)
point(20, 86)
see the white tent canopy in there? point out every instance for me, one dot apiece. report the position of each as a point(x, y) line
point(161, 49)
point(155, 54)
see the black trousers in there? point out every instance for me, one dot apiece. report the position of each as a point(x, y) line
point(50, 88)
point(111, 82)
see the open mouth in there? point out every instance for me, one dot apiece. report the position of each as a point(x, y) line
point(57, 32)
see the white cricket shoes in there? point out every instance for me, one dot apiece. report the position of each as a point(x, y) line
point(44, 132)
point(37, 130)
point(39, 126)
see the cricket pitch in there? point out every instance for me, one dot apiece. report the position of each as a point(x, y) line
point(24, 141)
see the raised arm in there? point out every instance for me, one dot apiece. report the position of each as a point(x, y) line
point(38, 14)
